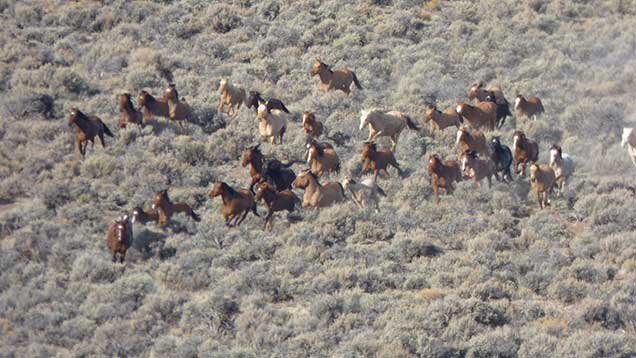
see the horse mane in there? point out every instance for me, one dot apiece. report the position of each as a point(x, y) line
point(318, 149)
point(81, 114)
point(149, 98)
point(313, 175)
point(372, 146)
point(233, 193)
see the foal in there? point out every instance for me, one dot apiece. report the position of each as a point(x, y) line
point(235, 202)
point(87, 127)
point(166, 208)
point(128, 112)
point(275, 201)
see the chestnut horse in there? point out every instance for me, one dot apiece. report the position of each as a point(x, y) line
point(87, 127)
point(311, 125)
point(377, 160)
point(443, 174)
point(275, 201)
point(166, 208)
point(128, 112)
point(524, 150)
point(235, 202)
point(339, 79)
point(318, 195)
point(120, 237)
point(179, 110)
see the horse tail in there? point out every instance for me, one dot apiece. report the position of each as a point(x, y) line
point(106, 130)
point(194, 215)
point(410, 123)
point(380, 191)
point(342, 191)
point(541, 109)
point(282, 106)
point(337, 167)
point(355, 80)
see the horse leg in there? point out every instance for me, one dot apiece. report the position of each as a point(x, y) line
point(101, 138)
point(394, 141)
point(114, 256)
point(489, 181)
point(540, 199)
point(436, 192)
point(242, 217)
point(386, 172)
point(122, 256)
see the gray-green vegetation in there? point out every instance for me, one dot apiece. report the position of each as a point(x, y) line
point(483, 274)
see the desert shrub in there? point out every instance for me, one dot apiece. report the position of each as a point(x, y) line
point(500, 343)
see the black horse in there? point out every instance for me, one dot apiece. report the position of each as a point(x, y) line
point(503, 109)
point(502, 156)
point(255, 99)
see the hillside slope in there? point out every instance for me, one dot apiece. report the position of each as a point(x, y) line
point(485, 273)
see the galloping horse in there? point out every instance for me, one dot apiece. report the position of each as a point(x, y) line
point(338, 79)
point(235, 202)
point(87, 127)
point(386, 124)
point(166, 208)
point(128, 112)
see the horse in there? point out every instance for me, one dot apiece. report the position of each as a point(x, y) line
point(542, 180)
point(275, 201)
point(443, 174)
point(531, 107)
point(255, 99)
point(339, 79)
point(480, 94)
point(365, 193)
point(235, 202)
point(272, 123)
point(317, 195)
point(231, 96)
point(476, 168)
point(503, 109)
point(87, 127)
point(321, 160)
point(272, 171)
point(378, 160)
point(629, 140)
point(311, 125)
point(128, 113)
point(152, 106)
point(179, 110)
point(525, 151)
point(482, 114)
point(502, 157)
point(144, 216)
point(389, 124)
point(166, 208)
point(119, 237)
point(441, 120)
point(563, 166)
point(474, 140)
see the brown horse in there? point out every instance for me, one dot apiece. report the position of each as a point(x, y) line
point(378, 160)
point(318, 195)
point(477, 169)
point(542, 179)
point(531, 107)
point(235, 202)
point(443, 174)
point(321, 160)
point(474, 140)
point(152, 106)
point(231, 96)
point(275, 201)
point(166, 208)
point(441, 120)
point(311, 125)
point(482, 114)
point(179, 110)
point(87, 127)
point(339, 79)
point(120, 237)
point(524, 151)
point(273, 171)
point(128, 112)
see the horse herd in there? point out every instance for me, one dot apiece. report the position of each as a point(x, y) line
point(272, 181)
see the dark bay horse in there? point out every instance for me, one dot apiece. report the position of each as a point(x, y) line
point(87, 127)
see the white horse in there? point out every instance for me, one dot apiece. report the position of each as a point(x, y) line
point(629, 141)
point(385, 124)
point(563, 166)
point(364, 193)
point(272, 123)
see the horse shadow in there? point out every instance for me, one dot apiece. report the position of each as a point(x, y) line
point(152, 244)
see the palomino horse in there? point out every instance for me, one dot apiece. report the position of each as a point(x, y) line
point(629, 140)
point(272, 123)
point(120, 237)
point(386, 124)
point(152, 106)
point(166, 208)
point(339, 79)
point(231, 96)
point(317, 195)
point(87, 127)
point(235, 202)
point(255, 99)
point(128, 112)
